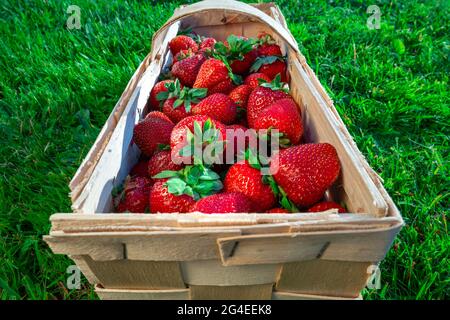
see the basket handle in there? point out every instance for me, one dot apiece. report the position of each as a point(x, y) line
point(224, 5)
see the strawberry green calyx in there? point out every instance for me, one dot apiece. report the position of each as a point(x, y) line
point(196, 181)
point(184, 96)
point(237, 79)
point(260, 61)
point(208, 135)
point(265, 39)
point(282, 138)
point(236, 49)
point(275, 84)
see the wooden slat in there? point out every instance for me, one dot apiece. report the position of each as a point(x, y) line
point(130, 274)
point(211, 272)
point(128, 294)
point(154, 246)
point(255, 292)
point(355, 245)
point(284, 295)
point(324, 277)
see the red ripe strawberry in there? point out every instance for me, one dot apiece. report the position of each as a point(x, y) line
point(207, 43)
point(239, 133)
point(158, 88)
point(139, 169)
point(218, 106)
point(326, 205)
point(224, 87)
point(179, 101)
point(175, 114)
point(162, 201)
point(277, 210)
point(187, 124)
point(227, 202)
point(262, 97)
point(306, 171)
point(157, 114)
point(186, 70)
point(242, 66)
point(183, 54)
point(211, 73)
point(241, 177)
point(268, 49)
point(239, 52)
point(253, 79)
point(240, 95)
point(182, 42)
point(161, 161)
point(274, 68)
point(184, 134)
point(151, 132)
point(282, 115)
point(134, 197)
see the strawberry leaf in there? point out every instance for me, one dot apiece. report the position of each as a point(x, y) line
point(176, 186)
point(165, 174)
point(262, 60)
point(164, 95)
point(252, 159)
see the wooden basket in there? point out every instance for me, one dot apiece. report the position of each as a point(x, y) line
point(233, 256)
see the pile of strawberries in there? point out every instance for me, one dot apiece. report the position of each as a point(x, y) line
point(220, 86)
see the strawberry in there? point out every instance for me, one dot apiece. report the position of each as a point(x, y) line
point(211, 73)
point(253, 80)
point(161, 161)
point(187, 69)
point(270, 60)
point(268, 49)
point(240, 95)
point(134, 197)
point(177, 191)
point(224, 87)
point(163, 201)
point(238, 133)
point(182, 42)
point(277, 210)
point(227, 202)
point(158, 115)
point(306, 171)
point(179, 101)
point(157, 88)
point(183, 54)
point(152, 132)
point(193, 130)
point(239, 52)
point(241, 177)
point(207, 43)
point(177, 113)
point(218, 106)
point(283, 115)
point(273, 69)
point(263, 96)
point(139, 169)
point(326, 205)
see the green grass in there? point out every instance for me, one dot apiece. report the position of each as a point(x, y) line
point(57, 87)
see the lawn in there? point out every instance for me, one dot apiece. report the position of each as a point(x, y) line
point(58, 86)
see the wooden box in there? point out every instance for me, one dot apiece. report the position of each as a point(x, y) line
point(235, 256)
